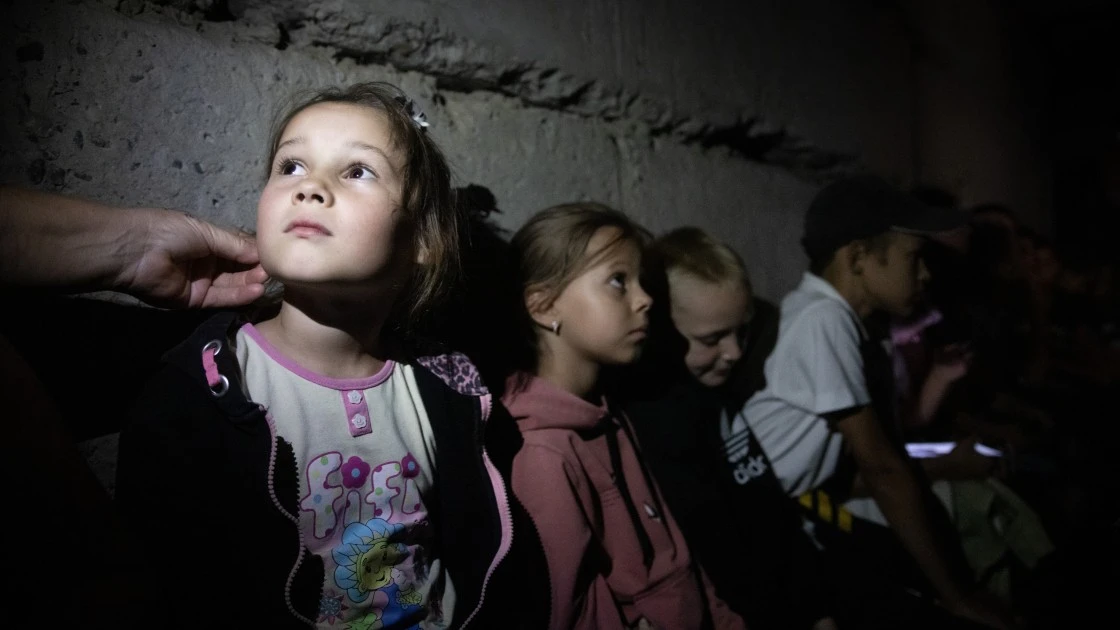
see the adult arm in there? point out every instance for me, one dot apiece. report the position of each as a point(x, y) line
point(164, 257)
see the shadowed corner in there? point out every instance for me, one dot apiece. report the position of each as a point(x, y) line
point(481, 316)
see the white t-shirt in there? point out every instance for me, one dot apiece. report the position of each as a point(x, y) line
point(365, 455)
point(816, 368)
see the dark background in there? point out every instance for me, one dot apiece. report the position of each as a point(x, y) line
point(1071, 64)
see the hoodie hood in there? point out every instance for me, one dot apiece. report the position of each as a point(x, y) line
point(537, 404)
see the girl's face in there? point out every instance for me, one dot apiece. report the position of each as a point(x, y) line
point(603, 313)
point(330, 214)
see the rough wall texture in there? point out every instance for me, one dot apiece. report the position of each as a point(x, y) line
point(976, 134)
point(719, 113)
point(654, 106)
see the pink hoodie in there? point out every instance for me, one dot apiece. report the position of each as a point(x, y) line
point(613, 557)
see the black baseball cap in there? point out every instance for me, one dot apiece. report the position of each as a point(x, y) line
point(862, 206)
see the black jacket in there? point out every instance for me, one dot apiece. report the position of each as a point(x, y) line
point(747, 536)
point(741, 526)
point(213, 494)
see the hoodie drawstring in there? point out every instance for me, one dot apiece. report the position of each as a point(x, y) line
point(620, 480)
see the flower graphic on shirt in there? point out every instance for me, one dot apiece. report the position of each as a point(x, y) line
point(409, 467)
point(410, 597)
point(371, 621)
point(331, 607)
point(354, 472)
point(366, 557)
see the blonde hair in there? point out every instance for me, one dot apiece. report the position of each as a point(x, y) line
point(693, 251)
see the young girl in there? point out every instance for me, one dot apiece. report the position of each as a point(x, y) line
point(616, 558)
point(310, 468)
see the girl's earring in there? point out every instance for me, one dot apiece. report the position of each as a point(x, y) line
point(555, 327)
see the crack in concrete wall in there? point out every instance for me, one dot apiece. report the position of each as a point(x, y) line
point(459, 64)
point(167, 102)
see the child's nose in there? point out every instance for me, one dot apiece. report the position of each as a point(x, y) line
point(642, 300)
point(311, 190)
point(729, 349)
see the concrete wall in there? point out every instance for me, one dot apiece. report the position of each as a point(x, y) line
point(976, 132)
point(657, 107)
point(723, 114)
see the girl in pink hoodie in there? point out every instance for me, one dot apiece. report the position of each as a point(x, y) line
point(616, 557)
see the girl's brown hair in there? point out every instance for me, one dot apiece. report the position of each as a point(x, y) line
point(550, 251)
point(427, 199)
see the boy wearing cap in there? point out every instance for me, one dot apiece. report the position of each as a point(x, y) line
point(824, 416)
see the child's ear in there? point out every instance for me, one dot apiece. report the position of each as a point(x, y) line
point(422, 253)
point(857, 252)
point(541, 306)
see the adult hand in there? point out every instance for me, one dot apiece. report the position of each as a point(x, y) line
point(53, 242)
point(181, 261)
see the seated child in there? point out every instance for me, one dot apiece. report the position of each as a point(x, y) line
point(315, 466)
point(616, 558)
point(825, 415)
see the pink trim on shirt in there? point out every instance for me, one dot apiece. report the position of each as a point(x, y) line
point(357, 413)
point(343, 384)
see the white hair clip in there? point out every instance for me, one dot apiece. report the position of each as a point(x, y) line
point(414, 112)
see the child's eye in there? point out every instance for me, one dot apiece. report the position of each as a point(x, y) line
point(618, 281)
point(290, 167)
point(359, 171)
point(710, 340)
